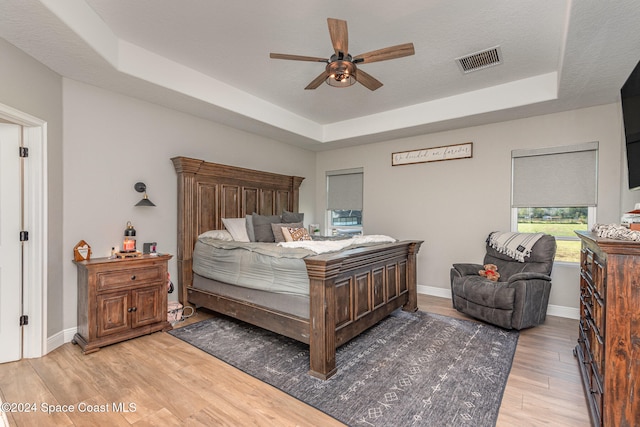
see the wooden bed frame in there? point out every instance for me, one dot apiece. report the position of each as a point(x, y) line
point(350, 291)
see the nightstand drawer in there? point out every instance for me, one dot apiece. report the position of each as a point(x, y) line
point(127, 278)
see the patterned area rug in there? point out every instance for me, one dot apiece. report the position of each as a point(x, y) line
point(412, 369)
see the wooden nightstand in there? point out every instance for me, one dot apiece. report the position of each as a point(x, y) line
point(119, 299)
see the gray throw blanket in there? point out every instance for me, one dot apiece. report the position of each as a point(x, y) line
point(516, 245)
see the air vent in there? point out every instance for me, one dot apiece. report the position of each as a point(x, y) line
point(479, 60)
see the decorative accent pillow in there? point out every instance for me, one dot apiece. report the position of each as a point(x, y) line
point(217, 234)
point(262, 227)
point(250, 232)
point(237, 227)
point(277, 229)
point(296, 234)
point(292, 217)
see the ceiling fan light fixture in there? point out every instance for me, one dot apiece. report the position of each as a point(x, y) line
point(341, 73)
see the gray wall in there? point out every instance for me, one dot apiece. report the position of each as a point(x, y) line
point(30, 87)
point(112, 141)
point(453, 205)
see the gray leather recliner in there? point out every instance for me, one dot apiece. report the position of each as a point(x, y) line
point(518, 299)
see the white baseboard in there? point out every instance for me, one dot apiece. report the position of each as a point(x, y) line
point(60, 338)
point(552, 310)
point(561, 311)
point(433, 291)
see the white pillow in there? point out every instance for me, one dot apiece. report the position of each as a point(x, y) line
point(237, 227)
point(217, 234)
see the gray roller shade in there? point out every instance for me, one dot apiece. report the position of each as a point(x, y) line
point(555, 177)
point(344, 189)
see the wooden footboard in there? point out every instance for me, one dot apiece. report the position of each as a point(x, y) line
point(353, 290)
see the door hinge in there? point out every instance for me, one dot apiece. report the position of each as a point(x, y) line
point(24, 320)
point(24, 151)
point(24, 236)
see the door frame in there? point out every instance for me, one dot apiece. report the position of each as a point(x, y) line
point(34, 136)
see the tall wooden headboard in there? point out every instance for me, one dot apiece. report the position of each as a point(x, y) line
point(208, 192)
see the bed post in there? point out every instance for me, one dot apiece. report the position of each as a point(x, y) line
point(296, 181)
point(412, 277)
point(322, 317)
point(186, 169)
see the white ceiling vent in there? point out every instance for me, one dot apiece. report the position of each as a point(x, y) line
point(479, 60)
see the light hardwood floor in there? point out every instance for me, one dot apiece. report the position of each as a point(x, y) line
point(171, 383)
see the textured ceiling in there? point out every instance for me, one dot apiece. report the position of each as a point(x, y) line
point(211, 59)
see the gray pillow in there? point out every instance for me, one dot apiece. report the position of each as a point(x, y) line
point(262, 227)
point(292, 216)
point(277, 229)
point(250, 232)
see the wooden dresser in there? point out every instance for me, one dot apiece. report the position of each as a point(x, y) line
point(119, 299)
point(608, 349)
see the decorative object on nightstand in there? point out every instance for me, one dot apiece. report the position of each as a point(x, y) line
point(149, 248)
point(82, 251)
point(129, 243)
point(119, 299)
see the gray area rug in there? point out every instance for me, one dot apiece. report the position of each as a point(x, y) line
point(411, 369)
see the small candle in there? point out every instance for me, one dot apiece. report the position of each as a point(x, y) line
point(129, 245)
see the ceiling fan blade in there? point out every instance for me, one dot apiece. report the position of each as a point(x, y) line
point(367, 80)
point(297, 57)
point(317, 81)
point(339, 36)
point(386, 53)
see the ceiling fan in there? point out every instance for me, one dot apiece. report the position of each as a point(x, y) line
point(341, 69)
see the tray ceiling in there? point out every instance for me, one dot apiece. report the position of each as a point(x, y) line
point(211, 59)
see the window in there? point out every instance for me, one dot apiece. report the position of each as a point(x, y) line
point(560, 223)
point(344, 201)
point(554, 191)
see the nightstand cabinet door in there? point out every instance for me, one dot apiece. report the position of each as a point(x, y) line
point(112, 316)
point(147, 306)
point(120, 299)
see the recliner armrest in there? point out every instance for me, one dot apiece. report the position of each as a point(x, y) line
point(468, 269)
point(528, 276)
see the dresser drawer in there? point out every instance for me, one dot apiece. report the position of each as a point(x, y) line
point(586, 262)
point(599, 278)
point(127, 278)
point(598, 314)
point(596, 403)
point(596, 347)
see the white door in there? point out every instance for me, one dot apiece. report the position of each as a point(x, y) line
point(10, 246)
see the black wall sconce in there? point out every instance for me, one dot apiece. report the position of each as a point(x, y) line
point(140, 187)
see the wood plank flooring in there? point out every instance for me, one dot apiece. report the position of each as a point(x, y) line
point(158, 380)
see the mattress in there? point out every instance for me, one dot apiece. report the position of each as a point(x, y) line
point(262, 266)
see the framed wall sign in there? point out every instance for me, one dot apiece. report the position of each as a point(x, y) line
point(434, 154)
